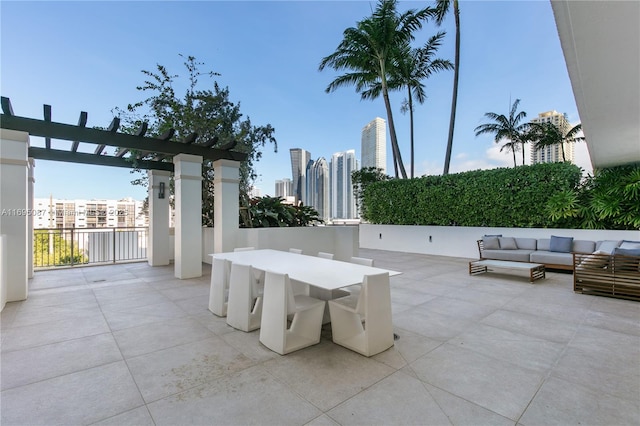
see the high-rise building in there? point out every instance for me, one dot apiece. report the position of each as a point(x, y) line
point(343, 203)
point(300, 160)
point(553, 153)
point(374, 145)
point(284, 188)
point(318, 187)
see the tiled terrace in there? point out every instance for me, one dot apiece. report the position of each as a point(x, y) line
point(131, 345)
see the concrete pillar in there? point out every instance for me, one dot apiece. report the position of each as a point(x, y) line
point(226, 211)
point(188, 215)
point(159, 249)
point(31, 183)
point(14, 216)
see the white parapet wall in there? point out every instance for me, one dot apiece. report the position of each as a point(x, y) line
point(460, 241)
point(342, 241)
point(3, 272)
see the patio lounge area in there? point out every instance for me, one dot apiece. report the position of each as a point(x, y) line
point(130, 344)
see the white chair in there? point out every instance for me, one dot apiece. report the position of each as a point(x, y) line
point(325, 255)
point(355, 289)
point(280, 303)
point(219, 292)
point(362, 261)
point(244, 309)
point(295, 250)
point(244, 248)
point(373, 335)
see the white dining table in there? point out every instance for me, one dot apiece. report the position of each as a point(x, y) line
point(323, 273)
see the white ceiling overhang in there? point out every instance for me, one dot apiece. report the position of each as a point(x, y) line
point(601, 45)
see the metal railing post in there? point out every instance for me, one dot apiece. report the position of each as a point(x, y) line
point(114, 245)
point(72, 229)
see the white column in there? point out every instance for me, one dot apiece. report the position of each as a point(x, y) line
point(13, 210)
point(188, 215)
point(226, 211)
point(158, 249)
point(30, 218)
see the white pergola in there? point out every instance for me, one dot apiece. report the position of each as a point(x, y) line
point(161, 156)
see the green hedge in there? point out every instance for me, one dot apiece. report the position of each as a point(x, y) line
point(505, 197)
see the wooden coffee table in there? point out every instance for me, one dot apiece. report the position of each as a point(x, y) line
point(536, 270)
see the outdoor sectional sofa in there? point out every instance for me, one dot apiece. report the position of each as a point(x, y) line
point(604, 268)
point(554, 253)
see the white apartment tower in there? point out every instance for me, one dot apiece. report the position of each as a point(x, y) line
point(300, 160)
point(374, 145)
point(318, 187)
point(553, 154)
point(53, 213)
point(343, 203)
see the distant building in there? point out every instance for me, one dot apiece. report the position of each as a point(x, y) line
point(54, 213)
point(374, 145)
point(318, 187)
point(300, 160)
point(343, 203)
point(553, 154)
point(254, 192)
point(284, 188)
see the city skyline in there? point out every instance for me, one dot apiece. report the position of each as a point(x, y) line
point(271, 69)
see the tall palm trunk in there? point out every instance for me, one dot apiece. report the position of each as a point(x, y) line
point(523, 153)
point(411, 126)
point(397, 157)
point(454, 99)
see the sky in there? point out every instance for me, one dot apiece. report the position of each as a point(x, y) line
point(89, 56)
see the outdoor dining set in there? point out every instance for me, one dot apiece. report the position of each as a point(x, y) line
point(289, 296)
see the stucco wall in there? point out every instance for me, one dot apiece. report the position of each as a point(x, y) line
point(459, 241)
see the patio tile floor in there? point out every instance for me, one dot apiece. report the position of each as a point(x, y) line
point(130, 344)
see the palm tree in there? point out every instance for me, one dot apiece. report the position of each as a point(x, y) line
point(508, 128)
point(442, 8)
point(367, 52)
point(548, 134)
point(415, 66)
point(411, 68)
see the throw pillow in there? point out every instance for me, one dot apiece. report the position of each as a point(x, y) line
point(507, 243)
point(560, 244)
point(629, 260)
point(626, 244)
point(598, 259)
point(608, 245)
point(490, 243)
point(627, 252)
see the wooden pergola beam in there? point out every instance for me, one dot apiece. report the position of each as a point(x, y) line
point(47, 118)
point(98, 160)
point(82, 122)
point(110, 138)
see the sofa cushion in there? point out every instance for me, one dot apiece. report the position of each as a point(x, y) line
point(513, 255)
point(607, 245)
point(508, 243)
point(583, 246)
point(490, 243)
point(551, 257)
point(526, 243)
point(543, 244)
point(626, 244)
point(560, 244)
